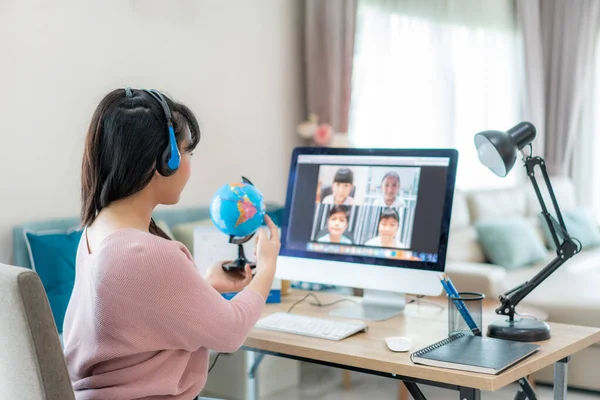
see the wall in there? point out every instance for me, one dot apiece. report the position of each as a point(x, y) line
point(237, 64)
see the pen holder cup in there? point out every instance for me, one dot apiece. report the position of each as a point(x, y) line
point(457, 319)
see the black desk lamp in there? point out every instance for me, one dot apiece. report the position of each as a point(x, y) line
point(498, 151)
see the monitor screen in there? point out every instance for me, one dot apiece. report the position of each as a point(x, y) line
point(372, 206)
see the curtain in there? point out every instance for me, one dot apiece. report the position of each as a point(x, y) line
point(529, 26)
point(329, 29)
point(585, 162)
point(433, 74)
point(567, 35)
point(585, 168)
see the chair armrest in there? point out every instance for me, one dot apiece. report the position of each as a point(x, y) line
point(477, 277)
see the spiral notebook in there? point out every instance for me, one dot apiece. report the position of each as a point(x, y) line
point(466, 352)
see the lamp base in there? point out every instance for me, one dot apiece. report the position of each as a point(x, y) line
point(521, 330)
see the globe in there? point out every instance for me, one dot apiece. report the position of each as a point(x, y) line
point(237, 209)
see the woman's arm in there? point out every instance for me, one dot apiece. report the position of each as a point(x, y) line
point(153, 293)
point(157, 295)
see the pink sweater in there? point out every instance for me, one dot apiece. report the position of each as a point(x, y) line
point(141, 320)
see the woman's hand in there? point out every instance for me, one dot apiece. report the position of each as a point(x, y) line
point(267, 246)
point(267, 250)
point(228, 281)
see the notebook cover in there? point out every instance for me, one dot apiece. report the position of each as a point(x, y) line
point(478, 351)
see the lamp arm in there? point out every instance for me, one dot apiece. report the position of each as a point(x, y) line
point(530, 164)
point(565, 246)
point(513, 297)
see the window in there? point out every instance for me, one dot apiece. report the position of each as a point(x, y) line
point(423, 79)
point(591, 126)
point(585, 161)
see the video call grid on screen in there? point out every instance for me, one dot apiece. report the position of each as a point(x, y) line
point(369, 206)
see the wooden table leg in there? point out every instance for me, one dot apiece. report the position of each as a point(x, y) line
point(531, 380)
point(347, 379)
point(402, 391)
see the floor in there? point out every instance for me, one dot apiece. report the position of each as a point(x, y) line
point(325, 383)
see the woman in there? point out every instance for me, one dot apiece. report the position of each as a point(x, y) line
point(141, 318)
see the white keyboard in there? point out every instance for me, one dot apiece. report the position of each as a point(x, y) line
point(310, 326)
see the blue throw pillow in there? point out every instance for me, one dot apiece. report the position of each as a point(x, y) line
point(580, 225)
point(52, 255)
point(511, 242)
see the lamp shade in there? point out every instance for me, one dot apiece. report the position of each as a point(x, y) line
point(497, 150)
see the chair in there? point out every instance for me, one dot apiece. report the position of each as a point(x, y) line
point(32, 363)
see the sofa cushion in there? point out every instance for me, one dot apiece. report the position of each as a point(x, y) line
point(537, 225)
point(580, 223)
point(460, 211)
point(497, 203)
point(570, 295)
point(564, 191)
point(463, 246)
point(510, 242)
point(20, 250)
point(52, 256)
point(185, 232)
point(478, 277)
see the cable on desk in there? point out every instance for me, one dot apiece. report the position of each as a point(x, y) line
point(422, 296)
point(318, 303)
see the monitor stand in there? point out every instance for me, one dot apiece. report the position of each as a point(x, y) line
point(376, 305)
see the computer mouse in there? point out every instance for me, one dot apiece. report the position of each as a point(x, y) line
point(398, 343)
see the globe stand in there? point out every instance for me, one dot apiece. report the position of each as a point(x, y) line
point(240, 263)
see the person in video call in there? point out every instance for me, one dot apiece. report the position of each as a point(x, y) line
point(141, 318)
point(390, 188)
point(389, 223)
point(337, 223)
point(343, 181)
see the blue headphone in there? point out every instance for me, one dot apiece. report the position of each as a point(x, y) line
point(170, 158)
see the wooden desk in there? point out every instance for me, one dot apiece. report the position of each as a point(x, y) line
point(425, 323)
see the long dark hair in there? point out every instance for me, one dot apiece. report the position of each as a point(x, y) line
point(125, 140)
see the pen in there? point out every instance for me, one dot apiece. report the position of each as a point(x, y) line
point(460, 305)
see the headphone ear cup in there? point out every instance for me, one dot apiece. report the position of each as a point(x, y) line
point(170, 158)
point(162, 164)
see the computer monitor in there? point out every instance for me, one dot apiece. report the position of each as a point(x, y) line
point(376, 219)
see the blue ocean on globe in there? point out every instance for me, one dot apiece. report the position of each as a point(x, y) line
point(237, 209)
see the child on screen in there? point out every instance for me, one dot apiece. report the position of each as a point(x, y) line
point(390, 188)
point(337, 223)
point(389, 224)
point(343, 181)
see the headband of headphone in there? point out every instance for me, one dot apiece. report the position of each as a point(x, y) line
point(169, 160)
